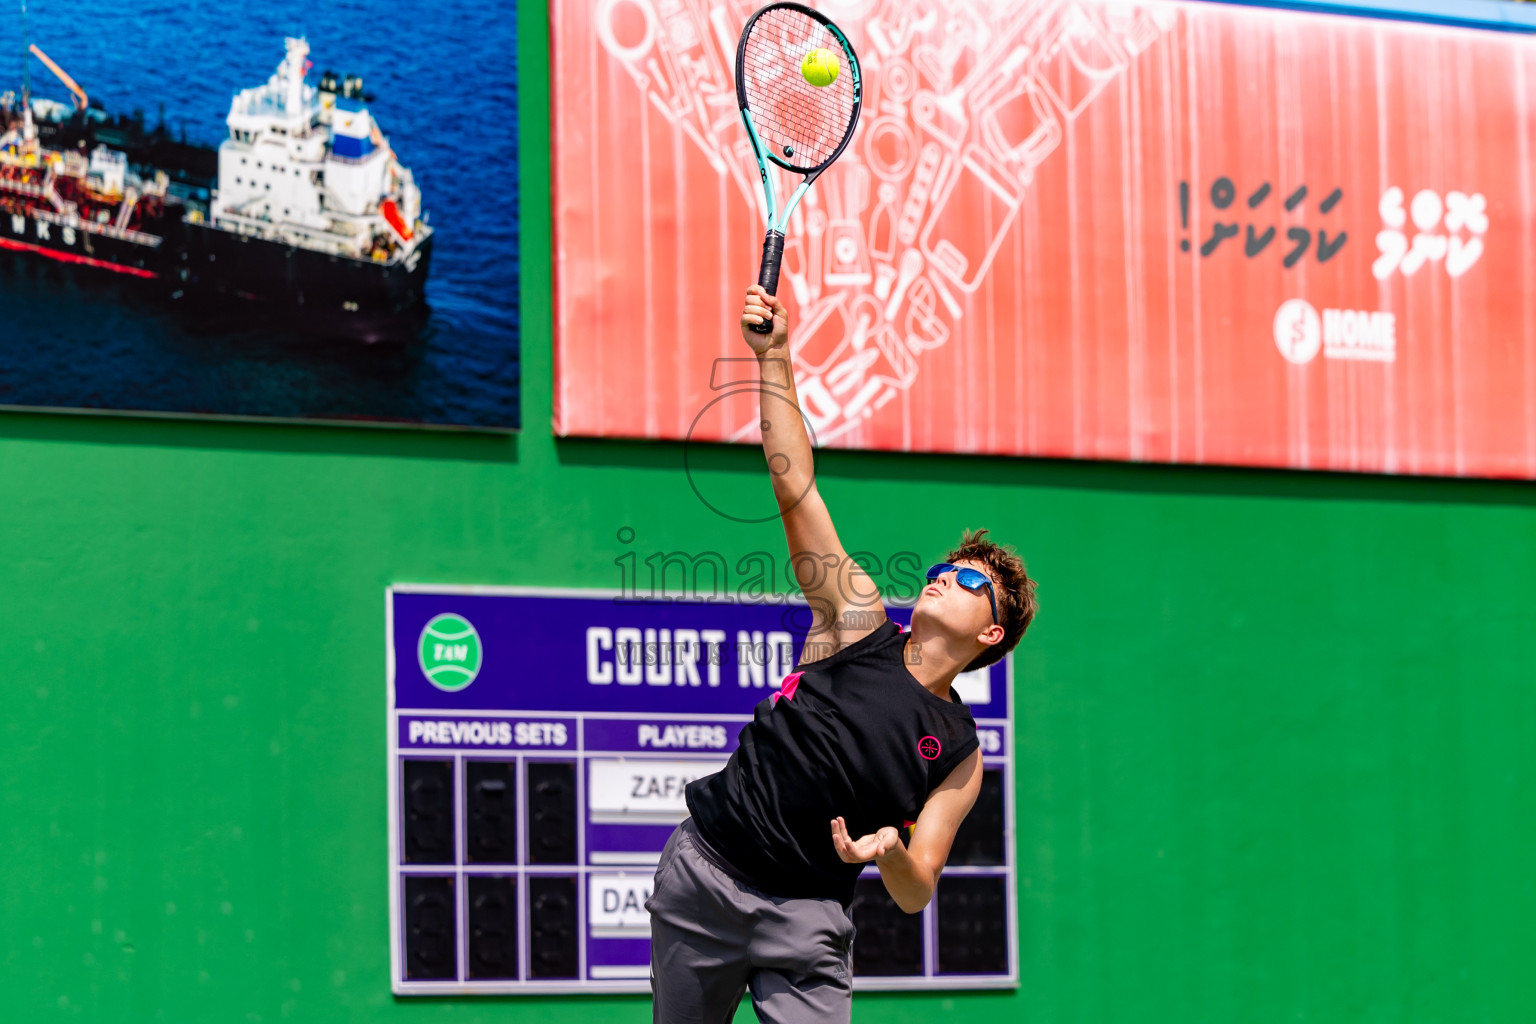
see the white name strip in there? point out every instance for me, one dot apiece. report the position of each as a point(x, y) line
point(616, 905)
point(639, 791)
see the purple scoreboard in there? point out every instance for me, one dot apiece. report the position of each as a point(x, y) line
point(539, 743)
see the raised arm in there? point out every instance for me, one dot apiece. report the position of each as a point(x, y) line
point(844, 603)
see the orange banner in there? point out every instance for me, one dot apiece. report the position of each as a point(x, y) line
point(1166, 232)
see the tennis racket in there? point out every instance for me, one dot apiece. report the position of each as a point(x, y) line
point(799, 126)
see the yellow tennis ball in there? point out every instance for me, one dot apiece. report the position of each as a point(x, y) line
point(820, 67)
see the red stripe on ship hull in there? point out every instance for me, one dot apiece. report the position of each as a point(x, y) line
point(68, 257)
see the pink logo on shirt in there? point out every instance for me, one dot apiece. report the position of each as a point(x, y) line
point(929, 747)
point(788, 686)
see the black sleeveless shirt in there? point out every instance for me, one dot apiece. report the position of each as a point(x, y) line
point(855, 735)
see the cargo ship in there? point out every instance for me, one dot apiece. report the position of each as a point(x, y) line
point(303, 204)
point(83, 209)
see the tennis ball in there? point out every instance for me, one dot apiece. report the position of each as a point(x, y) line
point(820, 67)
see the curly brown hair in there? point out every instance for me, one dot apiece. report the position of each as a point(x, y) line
point(1016, 604)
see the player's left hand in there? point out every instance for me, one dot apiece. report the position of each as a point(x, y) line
point(865, 848)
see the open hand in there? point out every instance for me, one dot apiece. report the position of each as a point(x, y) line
point(865, 848)
point(760, 308)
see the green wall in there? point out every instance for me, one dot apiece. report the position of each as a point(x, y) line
point(1275, 756)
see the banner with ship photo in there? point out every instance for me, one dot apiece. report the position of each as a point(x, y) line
point(306, 212)
point(1179, 232)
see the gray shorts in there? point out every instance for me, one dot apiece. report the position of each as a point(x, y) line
point(713, 937)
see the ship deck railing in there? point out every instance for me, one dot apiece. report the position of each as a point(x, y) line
point(95, 228)
point(26, 188)
point(289, 231)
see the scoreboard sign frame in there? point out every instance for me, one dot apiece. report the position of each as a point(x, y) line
point(538, 743)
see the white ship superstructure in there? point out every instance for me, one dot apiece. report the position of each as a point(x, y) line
point(309, 167)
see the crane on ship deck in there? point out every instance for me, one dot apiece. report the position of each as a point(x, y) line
point(81, 100)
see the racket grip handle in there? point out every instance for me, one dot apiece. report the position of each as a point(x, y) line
point(768, 275)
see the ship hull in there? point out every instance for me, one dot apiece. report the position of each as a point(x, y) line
point(314, 291)
point(224, 263)
point(137, 254)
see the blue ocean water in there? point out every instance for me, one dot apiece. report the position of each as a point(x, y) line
point(444, 81)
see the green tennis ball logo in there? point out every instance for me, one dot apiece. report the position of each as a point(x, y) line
point(820, 67)
point(449, 652)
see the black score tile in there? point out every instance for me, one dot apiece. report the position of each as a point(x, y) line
point(552, 818)
point(427, 811)
point(552, 929)
point(430, 939)
point(887, 941)
point(979, 841)
point(490, 812)
point(972, 916)
point(492, 926)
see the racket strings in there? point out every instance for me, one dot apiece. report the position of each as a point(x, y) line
point(799, 123)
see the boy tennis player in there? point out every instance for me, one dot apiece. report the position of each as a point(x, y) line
point(865, 740)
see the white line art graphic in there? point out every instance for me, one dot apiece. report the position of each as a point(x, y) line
point(964, 100)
